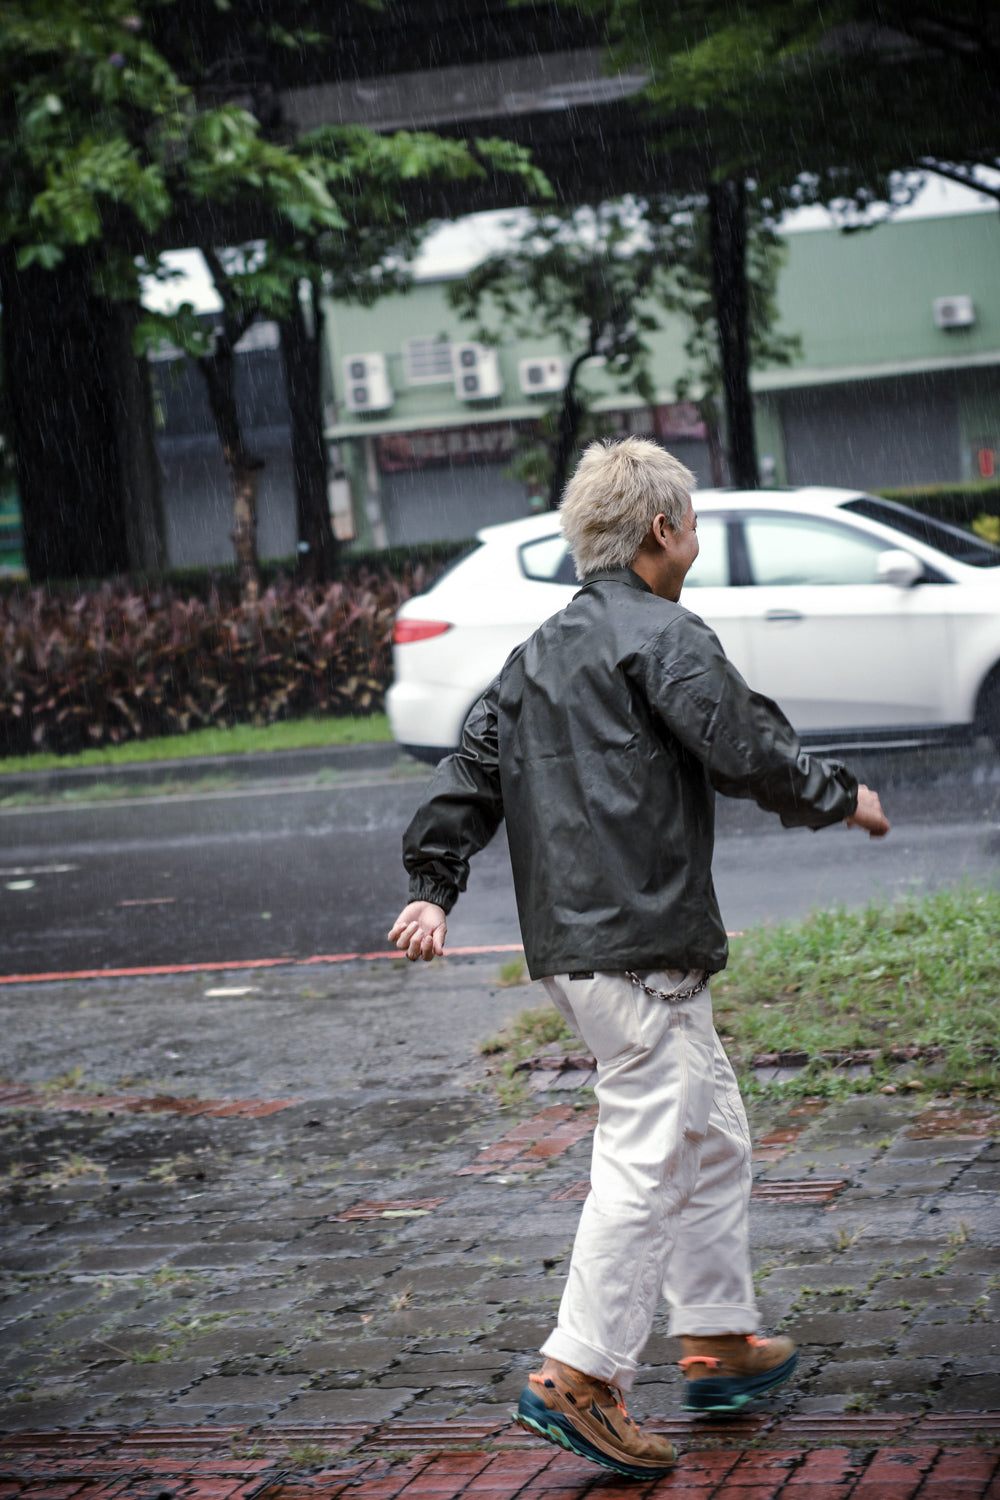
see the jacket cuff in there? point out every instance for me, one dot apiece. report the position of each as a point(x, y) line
point(422, 889)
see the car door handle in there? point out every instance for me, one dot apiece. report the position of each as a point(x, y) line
point(784, 614)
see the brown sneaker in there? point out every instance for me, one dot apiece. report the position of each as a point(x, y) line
point(587, 1417)
point(725, 1371)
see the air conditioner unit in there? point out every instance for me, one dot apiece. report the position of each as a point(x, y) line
point(954, 312)
point(539, 377)
point(477, 372)
point(366, 382)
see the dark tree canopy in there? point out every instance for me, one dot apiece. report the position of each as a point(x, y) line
point(819, 100)
point(124, 133)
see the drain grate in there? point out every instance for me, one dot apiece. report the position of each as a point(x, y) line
point(802, 1190)
point(387, 1208)
point(575, 1193)
point(786, 1190)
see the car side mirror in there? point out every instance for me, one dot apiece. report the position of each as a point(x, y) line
point(899, 568)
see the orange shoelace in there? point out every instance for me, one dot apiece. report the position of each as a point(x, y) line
point(537, 1378)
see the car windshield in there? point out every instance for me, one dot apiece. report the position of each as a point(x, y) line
point(963, 546)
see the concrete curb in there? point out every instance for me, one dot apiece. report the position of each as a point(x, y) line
point(267, 765)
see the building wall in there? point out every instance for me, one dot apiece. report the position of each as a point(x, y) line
point(880, 396)
point(864, 302)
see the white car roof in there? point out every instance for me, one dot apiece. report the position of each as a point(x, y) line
point(816, 497)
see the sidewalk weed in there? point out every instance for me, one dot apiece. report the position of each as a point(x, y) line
point(512, 973)
point(512, 1088)
point(308, 1455)
point(244, 1450)
point(847, 1238)
point(528, 1031)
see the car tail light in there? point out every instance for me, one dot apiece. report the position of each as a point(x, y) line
point(406, 631)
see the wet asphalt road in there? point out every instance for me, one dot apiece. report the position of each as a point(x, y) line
point(296, 869)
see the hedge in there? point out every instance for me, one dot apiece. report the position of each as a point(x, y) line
point(86, 666)
point(119, 662)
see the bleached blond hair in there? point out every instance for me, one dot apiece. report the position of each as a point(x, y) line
point(614, 496)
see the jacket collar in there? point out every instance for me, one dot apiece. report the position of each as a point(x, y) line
point(617, 575)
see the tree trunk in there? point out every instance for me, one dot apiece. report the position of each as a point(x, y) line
point(708, 407)
point(142, 497)
point(62, 420)
point(217, 371)
point(300, 348)
point(727, 218)
point(570, 417)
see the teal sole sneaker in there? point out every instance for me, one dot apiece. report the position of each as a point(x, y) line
point(590, 1433)
point(722, 1395)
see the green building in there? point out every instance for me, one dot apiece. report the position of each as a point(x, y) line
point(898, 383)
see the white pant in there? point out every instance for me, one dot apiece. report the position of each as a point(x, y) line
point(670, 1177)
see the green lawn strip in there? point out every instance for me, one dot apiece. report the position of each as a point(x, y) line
point(924, 972)
point(243, 739)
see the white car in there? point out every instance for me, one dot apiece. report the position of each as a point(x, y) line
point(868, 623)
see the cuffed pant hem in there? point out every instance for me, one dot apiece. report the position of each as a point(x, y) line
point(571, 1351)
point(718, 1317)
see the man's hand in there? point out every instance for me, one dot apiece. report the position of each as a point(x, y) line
point(419, 930)
point(869, 814)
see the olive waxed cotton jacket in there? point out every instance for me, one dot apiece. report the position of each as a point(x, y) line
point(603, 741)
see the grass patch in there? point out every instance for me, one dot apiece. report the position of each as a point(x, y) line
point(524, 1035)
point(527, 1032)
point(921, 973)
point(924, 972)
point(242, 739)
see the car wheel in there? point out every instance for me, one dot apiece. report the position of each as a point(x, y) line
point(988, 707)
point(429, 754)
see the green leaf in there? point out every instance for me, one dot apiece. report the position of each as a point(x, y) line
point(45, 255)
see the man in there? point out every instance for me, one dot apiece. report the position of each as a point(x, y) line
point(603, 741)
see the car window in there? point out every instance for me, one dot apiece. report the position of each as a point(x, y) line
point(964, 546)
point(711, 567)
point(548, 560)
point(801, 549)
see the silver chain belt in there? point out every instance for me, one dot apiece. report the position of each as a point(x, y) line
point(671, 995)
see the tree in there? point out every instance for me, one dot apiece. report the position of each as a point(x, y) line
point(107, 157)
point(599, 277)
point(102, 148)
point(357, 252)
point(808, 101)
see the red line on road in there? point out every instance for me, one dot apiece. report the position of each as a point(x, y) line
point(239, 963)
point(140, 972)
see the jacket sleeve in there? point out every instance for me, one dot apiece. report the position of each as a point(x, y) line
point(748, 747)
point(460, 814)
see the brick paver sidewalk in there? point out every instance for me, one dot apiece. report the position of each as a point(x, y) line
point(305, 1265)
point(202, 1465)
